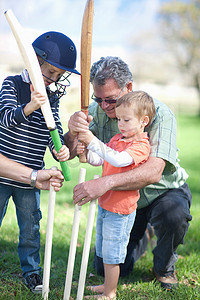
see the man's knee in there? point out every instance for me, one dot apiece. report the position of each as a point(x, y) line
point(172, 215)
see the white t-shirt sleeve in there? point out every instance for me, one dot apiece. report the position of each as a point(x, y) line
point(94, 159)
point(113, 157)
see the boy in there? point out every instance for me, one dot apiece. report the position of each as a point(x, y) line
point(117, 209)
point(24, 137)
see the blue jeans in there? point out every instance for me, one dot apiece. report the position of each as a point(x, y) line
point(112, 235)
point(169, 214)
point(27, 203)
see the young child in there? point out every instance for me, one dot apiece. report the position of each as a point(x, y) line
point(24, 138)
point(117, 209)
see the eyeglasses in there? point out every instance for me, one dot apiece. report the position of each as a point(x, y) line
point(108, 101)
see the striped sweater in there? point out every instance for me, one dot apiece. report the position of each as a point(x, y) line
point(24, 139)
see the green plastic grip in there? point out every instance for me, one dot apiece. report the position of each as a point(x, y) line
point(57, 143)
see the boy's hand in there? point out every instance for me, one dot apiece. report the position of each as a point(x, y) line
point(63, 154)
point(80, 148)
point(85, 137)
point(37, 100)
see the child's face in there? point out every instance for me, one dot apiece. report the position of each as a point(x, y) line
point(129, 124)
point(50, 73)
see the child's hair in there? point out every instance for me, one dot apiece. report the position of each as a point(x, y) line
point(143, 104)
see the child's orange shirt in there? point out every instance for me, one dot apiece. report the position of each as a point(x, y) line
point(124, 202)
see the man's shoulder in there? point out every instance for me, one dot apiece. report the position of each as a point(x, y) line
point(161, 107)
point(163, 114)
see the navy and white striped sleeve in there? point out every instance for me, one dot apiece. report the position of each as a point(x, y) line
point(11, 112)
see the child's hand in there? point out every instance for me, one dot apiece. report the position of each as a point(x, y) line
point(80, 148)
point(37, 100)
point(85, 137)
point(63, 154)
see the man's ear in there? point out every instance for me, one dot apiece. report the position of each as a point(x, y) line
point(129, 86)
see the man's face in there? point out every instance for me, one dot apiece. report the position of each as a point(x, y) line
point(109, 90)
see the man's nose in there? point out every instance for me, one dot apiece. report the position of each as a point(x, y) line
point(104, 104)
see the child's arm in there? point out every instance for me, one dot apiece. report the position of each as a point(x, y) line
point(11, 111)
point(115, 158)
point(92, 158)
point(36, 101)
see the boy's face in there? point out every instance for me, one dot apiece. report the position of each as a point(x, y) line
point(50, 73)
point(129, 124)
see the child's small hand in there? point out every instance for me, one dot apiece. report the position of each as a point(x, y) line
point(63, 154)
point(80, 148)
point(37, 100)
point(85, 137)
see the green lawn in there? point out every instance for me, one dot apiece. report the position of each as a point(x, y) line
point(140, 284)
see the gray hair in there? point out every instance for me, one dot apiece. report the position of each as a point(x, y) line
point(110, 67)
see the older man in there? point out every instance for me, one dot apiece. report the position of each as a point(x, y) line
point(165, 197)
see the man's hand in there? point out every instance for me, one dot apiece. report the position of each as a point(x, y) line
point(44, 177)
point(78, 122)
point(90, 190)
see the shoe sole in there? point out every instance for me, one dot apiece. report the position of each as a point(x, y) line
point(37, 289)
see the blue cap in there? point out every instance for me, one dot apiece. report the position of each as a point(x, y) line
point(57, 49)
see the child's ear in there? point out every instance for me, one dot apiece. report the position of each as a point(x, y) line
point(145, 121)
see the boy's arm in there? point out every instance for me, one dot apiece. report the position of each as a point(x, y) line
point(115, 158)
point(11, 112)
point(94, 159)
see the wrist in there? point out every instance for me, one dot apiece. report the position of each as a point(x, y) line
point(27, 109)
point(33, 178)
point(89, 138)
point(72, 134)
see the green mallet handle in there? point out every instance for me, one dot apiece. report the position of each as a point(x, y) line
point(57, 143)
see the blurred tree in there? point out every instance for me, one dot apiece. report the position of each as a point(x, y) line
point(180, 26)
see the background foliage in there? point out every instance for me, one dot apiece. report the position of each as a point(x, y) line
point(140, 284)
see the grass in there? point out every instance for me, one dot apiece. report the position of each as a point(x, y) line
point(140, 284)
